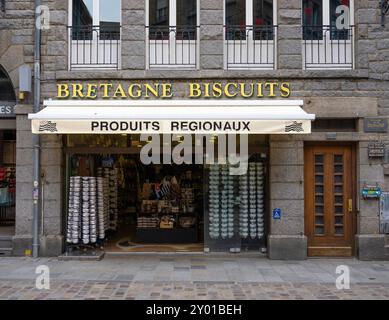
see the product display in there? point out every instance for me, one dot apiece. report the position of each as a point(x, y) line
point(187, 222)
point(103, 205)
point(167, 222)
point(224, 191)
point(87, 210)
point(112, 175)
point(148, 222)
point(7, 186)
point(251, 211)
point(168, 208)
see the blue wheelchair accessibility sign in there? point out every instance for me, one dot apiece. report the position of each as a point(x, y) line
point(277, 214)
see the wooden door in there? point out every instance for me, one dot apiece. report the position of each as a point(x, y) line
point(329, 200)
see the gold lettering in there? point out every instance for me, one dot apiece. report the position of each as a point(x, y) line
point(259, 90)
point(152, 89)
point(227, 92)
point(105, 87)
point(135, 93)
point(194, 90)
point(119, 93)
point(63, 90)
point(77, 91)
point(271, 86)
point(166, 90)
point(207, 87)
point(285, 90)
point(243, 90)
point(91, 91)
point(217, 90)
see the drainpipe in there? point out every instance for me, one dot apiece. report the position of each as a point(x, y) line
point(36, 137)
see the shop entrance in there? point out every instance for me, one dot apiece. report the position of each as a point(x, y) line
point(122, 205)
point(7, 160)
point(117, 202)
point(7, 182)
point(329, 199)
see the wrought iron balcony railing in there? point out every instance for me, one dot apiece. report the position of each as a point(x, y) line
point(328, 47)
point(172, 46)
point(94, 47)
point(250, 47)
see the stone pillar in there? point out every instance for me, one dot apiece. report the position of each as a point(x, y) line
point(286, 239)
point(289, 34)
point(22, 240)
point(211, 34)
point(52, 239)
point(370, 243)
point(55, 41)
point(133, 35)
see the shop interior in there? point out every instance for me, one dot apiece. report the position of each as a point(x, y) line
point(117, 203)
point(7, 182)
point(132, 207)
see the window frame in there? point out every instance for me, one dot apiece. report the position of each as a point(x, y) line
point(322, 40)
point(172, 37)
point(326, 14)
point(249, 17)
point(95, 23)
point(95, 14)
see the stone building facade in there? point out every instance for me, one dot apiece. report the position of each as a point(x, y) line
point(358, 93)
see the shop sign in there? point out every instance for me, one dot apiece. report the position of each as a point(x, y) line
point(277, 214)
point(376, 149)
point(375, 125)
point(6, 111)
point(194, 90)
point(171, 127)
point(371, 192)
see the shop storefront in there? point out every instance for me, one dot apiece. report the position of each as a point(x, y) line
point(139, 176)
point(7, 180)
point(7, 156)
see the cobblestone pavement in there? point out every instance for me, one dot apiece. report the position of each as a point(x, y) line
point(192, 277)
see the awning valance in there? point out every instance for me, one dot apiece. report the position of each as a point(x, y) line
point(172, 117)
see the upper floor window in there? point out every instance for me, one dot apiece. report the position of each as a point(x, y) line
point(250, 30)
point(172, 32)
point(328, 33)
point(2, 6)
point(94, 33)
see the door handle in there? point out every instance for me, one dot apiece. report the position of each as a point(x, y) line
point(350, 205)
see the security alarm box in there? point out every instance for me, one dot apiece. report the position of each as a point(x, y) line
point(25, 78)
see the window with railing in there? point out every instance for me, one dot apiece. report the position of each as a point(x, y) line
point(250, 34)
point(94, 34)
point(172, 33)
point(328, 34)
point(2, 6)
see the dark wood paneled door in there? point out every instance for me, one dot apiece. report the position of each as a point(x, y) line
point(329, 200)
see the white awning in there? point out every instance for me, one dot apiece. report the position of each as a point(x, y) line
point(172, 117)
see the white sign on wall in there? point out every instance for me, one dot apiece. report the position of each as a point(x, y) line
point(6, 111)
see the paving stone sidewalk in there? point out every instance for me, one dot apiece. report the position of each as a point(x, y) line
point(192, 277)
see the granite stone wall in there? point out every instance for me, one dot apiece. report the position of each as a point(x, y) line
point(16, 49)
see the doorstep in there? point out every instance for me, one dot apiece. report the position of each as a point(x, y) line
point(83, 255)
point(248, 254)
